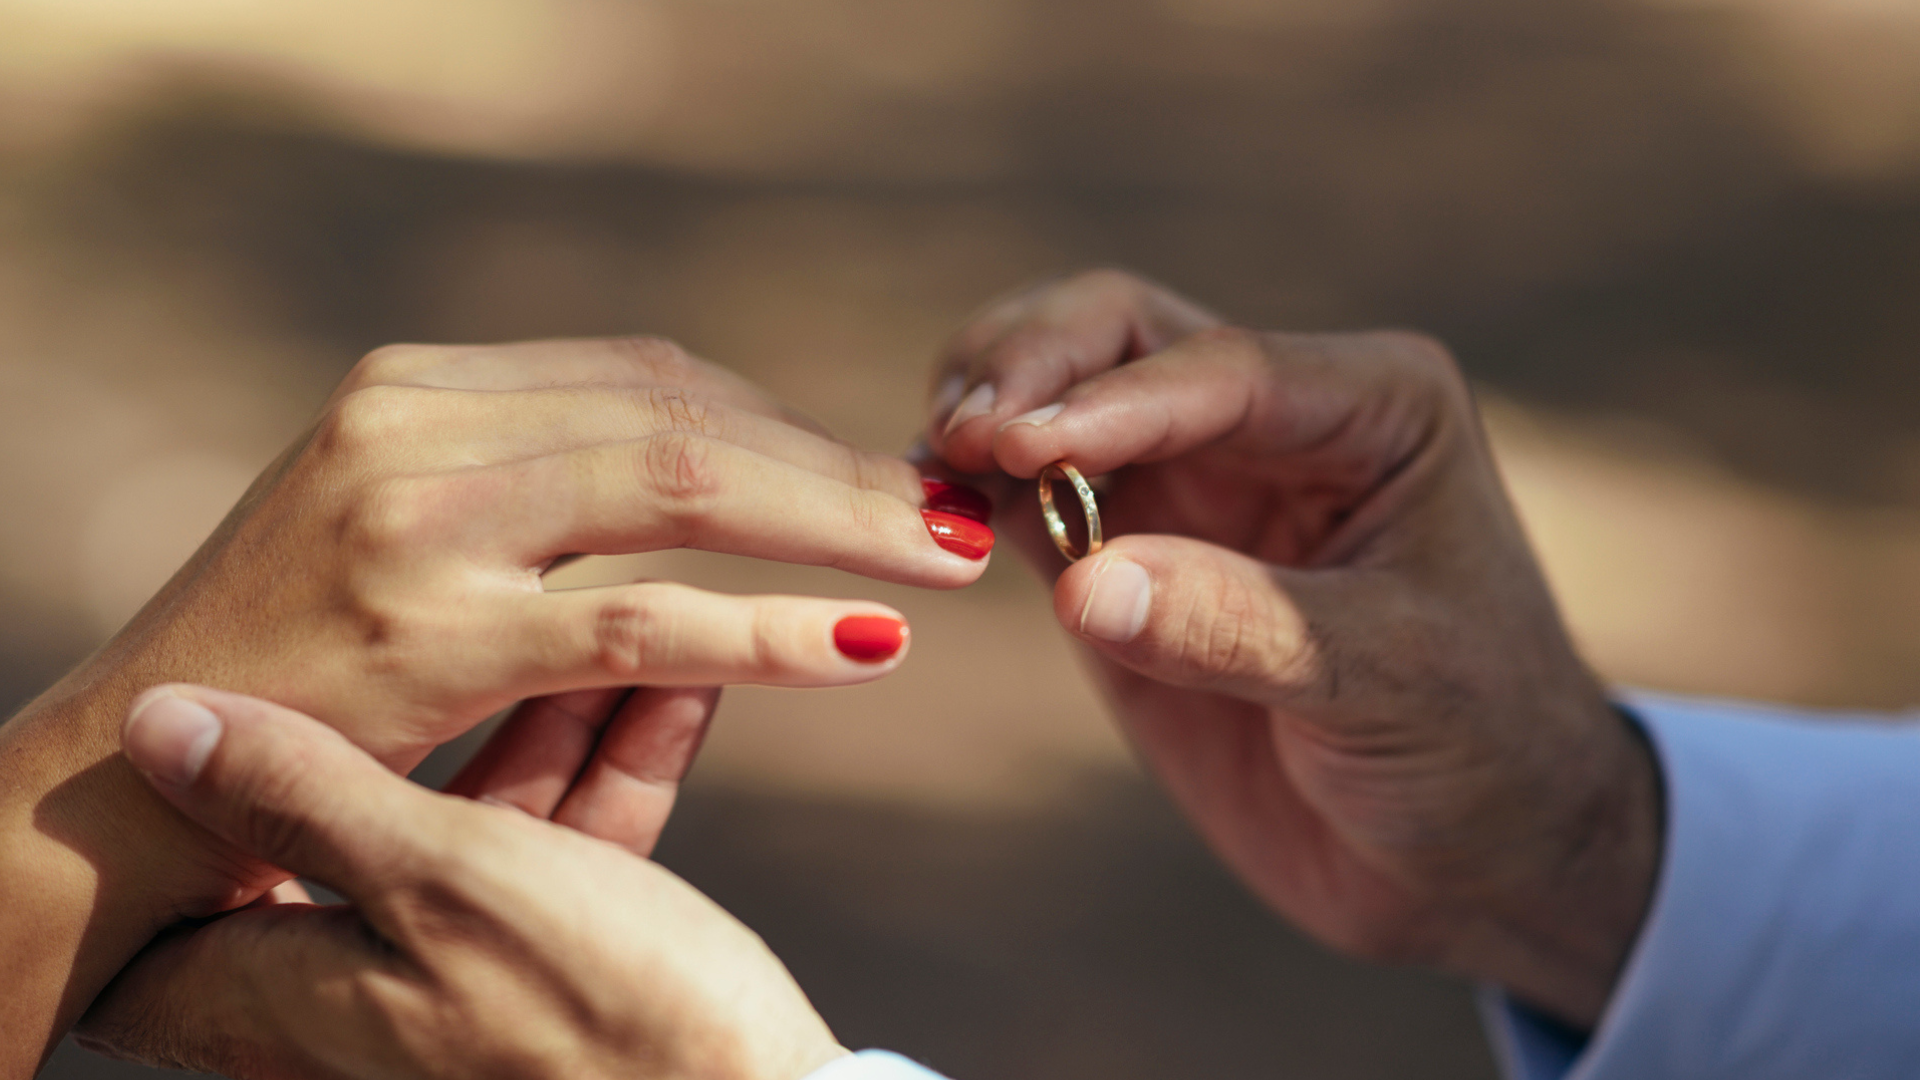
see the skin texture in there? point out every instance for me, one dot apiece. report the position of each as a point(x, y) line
point(480, 940)
point(384, 576)
point(1346, 667)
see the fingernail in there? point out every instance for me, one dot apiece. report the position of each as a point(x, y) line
point(919, 453)
point(962, 536)
point(947, 398)
point(957, 499)
point(1037, 417)
point(869, 638)
point(170, 738)
point(1117, 601)
point(978, 403)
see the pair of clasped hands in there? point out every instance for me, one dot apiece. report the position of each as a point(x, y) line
point(1316, 617)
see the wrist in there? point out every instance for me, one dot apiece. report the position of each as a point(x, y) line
point(92, 865)
point(153, 865)
point(1559, 938)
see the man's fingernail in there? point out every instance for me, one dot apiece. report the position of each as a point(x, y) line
point(170, 738)
point(919, 453)
point(1038, 417)
point(962, 536)
point(977, 403)
point(1117, 601)
point(957, 499)
point(869, 638)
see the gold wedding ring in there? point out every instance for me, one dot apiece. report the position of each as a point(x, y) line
point(1057, 528)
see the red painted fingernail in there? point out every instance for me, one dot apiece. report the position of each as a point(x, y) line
point(962, 536)
point(957, 499)
point(869, 638)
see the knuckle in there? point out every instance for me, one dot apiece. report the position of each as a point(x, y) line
point(389, 515)
point(1218, 641)
point(629, 635)
point(1421, 356)
point(682, 470)
point(372, 995)
point(1235, 341)
point(387, 531)
point(676, 409)
point(1231, 632)
point(458, 862)
point(1423, 349)
point(475, 858)
point(661, 358)
point(867, 512)
point(882, 472)
point(368, 420)
point(1027, 344)
point(393, 363)
point(1110, 282)
point(368, 992)
point(265, 798)
point(768, 651)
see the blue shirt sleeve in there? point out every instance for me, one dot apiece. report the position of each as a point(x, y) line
point(872, 1065)
point(1783, 940)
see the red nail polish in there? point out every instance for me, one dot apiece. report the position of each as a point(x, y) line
point(957, 499)
point(962, 536)
point(869, 638)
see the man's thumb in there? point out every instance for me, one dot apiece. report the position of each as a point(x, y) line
point(273, 782)
point(1193, 614)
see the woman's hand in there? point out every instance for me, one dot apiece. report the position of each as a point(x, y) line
point(1320, 623)
point(480, 940)
point(384, 576)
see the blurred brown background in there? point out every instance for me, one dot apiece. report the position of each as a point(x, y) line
point(1676, 241)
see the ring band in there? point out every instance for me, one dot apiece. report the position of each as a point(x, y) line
point(1057, 528)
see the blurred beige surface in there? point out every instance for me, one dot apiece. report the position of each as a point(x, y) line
point(1676, 242)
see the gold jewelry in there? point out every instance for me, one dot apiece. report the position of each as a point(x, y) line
point(1057, 528)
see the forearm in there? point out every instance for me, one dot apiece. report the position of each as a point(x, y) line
point(92, 865)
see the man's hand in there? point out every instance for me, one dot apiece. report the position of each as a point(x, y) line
point(1320, 623)
point(480, 939)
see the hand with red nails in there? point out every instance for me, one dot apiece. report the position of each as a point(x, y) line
point(477, 940)
point(385, 576)
point(1320, 623)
